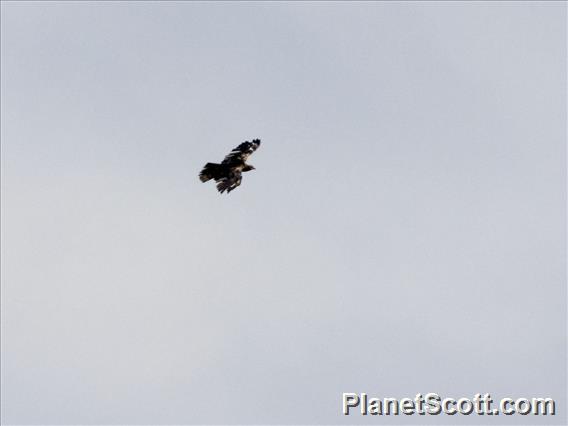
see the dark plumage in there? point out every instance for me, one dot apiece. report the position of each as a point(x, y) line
point(228, 174)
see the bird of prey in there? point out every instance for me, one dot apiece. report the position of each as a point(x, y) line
point(228, 174)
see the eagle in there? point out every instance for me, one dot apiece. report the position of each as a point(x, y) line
point(228, 174)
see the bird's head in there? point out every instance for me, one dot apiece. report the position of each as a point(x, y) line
point(248, 168)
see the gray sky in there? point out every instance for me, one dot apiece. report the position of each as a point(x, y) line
point(404, 231)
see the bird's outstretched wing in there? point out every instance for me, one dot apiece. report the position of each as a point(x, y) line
point(229, 182)
point(242, 152)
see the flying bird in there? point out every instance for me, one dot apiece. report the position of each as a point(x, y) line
point(228, 174)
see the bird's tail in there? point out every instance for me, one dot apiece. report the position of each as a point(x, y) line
point(210, 171)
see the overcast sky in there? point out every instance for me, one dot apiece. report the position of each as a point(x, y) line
point(404, 231)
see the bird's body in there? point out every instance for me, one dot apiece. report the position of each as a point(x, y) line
point(228, 174)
